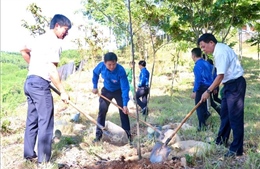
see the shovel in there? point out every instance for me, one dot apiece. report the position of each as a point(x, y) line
point(88, 116)
point(160, 151)
point(131, 115)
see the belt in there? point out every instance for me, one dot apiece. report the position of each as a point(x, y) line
point(232, 80)
point(37, 77)
point(33, 76)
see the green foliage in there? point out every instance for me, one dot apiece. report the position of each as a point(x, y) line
point(70, 56)
point(13, 58)
point(190, 160)
point(5, 126)
point(14, 70)
point(182, 20)
point(64, 142)
point(253, 160)
point(112, 13)
point(41, 22)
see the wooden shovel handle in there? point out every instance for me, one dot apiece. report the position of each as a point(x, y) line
point(131, 115)
point(182, 122)
point(77, 108)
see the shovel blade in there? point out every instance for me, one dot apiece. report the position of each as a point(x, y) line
point(159, 153)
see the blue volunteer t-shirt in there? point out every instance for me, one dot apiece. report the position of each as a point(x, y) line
point(144, 77)
point(203, 74)
point(113, 80)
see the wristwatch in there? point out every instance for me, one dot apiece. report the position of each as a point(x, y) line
point(208, 91)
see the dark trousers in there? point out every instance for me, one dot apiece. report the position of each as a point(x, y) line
point(215, 96)
point(40, 119)
point(202, 109)
point(103, 108)
point(214, 104)
point(232, 114)
point(142, 92)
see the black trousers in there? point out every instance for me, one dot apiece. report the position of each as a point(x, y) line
point(202, 109)
point(40, 118)
point(232, 114)
point(215, 96)
point(214, 104)
point(103, 108)
point(142, 92)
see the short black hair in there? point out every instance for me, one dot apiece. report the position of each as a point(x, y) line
point(207, 37)
point(110, 56)
point(196, 52)
point(142, 62)
point(61, 20)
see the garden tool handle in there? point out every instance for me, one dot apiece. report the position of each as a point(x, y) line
point(131, 115)
point(77, 108)
point(182, 122)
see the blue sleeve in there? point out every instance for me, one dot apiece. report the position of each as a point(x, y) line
point(197, 75)
point(124, 84)
point(96, 73)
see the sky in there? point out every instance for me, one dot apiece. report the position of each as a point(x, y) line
point(13, 35)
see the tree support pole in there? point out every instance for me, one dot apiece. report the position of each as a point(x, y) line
point(133, 59)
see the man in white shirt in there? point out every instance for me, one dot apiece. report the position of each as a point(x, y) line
point(230, 73)
point(43, 56)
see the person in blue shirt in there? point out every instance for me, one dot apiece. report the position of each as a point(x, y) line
point(116, 87)
point(203, 79)
point(143, 87)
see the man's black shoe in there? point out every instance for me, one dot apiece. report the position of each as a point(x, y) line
point(145, 111)
point(130, 142)
point(32, 159)
point(130, 138)
point(230, 154)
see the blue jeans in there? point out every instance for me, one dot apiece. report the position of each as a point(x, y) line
point(40, 119)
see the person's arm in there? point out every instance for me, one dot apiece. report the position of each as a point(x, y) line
point(25, 52)
point(55, 79)
point(96, 73)
point(221, 64)
point(197, 77)
point(125, 90)
point(214, 85)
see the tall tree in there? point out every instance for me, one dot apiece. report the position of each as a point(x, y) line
point(114, 14)
point(41, 21)
point(187, 19)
